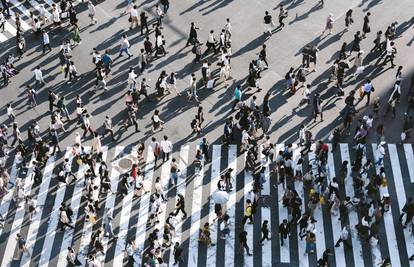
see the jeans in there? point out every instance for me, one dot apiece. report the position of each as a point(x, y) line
point(126, 50)
point(173, 178)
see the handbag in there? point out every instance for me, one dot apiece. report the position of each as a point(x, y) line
point(130, 18)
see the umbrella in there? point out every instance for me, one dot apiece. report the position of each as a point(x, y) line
point(220, 197)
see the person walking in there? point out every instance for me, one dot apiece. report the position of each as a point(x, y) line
point(329, 24)
point(348, 20)
point(366, 27)
point(180, 206)
point(282, 15)
point(317, 107)
point(166, 147)
point(45, 41)
point(72, 258)
point(265, 232)
point(38, 75)
point(367, 88)
point(343, 238)
point(108, 128)
point(192, 37)
point(237, 97)
point(248, 213)
point(243, 243)
point(178, 253)
point(268, 23)
point(124, 46)
point(21, 243)
point(284, 231)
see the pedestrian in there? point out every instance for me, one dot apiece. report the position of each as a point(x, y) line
point(174, 170)
point(329, 23)
point(310, 243)
point(265, 232)
point(348, 20)
point(160, 15)
point(367, 89)
point(124, 46)
point(284, 231)
point(21, 242)
point(178, 253)
point(248, 213)
point(317, 107)
point(268, 23)
point(38, 75)
point(390, 54)
point(225, 229)
point(211, 43)
point(133, 17)
point(243, 243)
point(366, 27)
point(91, 13)
point(72, 258)
point(324, 261)
point(237, 96)
point(192, 37)
point(343, 238)
point(180, 206)
point(108, 128)
point(46, 41)
point(282, 15)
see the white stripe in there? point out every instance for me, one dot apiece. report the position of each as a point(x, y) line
point(123, 225)
point(409, 156)
point(75, 205)
point(389, 224)
point(320, 236)
point(195, 218)
point(54, 219)
point(180, 190)
point(353, 217)
point(248, 186)
point(10, 28)
point(36, 5)
point(41, 200)
point(110, 201)
point(283, 214)
point(399, 186)
point(18, 219)
point(215, 177)
point(336, 224)
point(7, 199)
point(231, 209)
point(266, 215)
point(21, 7)
point(3, 38)
point(88, 226)
point(144, 202)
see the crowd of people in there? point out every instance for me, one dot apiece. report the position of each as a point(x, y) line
point(249, 126)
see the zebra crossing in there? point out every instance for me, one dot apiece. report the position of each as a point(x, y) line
point(47, 245)
point(23, 9)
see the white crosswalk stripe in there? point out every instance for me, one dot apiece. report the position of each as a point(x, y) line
point(398, 157)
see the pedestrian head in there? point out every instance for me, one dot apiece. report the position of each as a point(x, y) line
point(267, 13)
point(165, 137)
point(212, 31)
point(368, 81)
point(153, 139)
point(369, 14)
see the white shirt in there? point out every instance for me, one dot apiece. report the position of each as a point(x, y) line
point(166, 146)
point(10, 111)
point(211, 38)
point(381, 150)
point(38, 74)
point(134, 12)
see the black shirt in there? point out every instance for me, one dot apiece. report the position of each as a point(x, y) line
point(268, 19)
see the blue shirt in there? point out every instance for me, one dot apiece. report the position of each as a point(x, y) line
point(106, 59)
point(237, 94)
